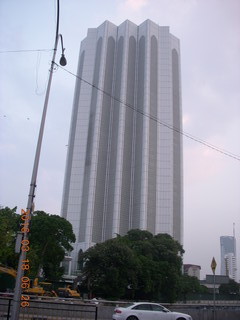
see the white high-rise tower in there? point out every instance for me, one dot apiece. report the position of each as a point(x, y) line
point(228, 256)
point(124, 165)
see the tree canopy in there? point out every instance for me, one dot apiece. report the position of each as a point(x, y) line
point(137, 266)
point(189, 286)
point(231, 288)
point(50, 236)
point(9, 225)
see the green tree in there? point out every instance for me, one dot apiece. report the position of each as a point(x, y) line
point(109, 269)
point(161, 261)
point(9, 225)
point(50, 236)
point(229, 288)
point(188, 286)
point(137, 265)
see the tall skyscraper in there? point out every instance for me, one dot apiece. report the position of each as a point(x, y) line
point(124, 164)
point(228, 256)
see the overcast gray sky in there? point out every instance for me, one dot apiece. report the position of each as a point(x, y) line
point(209, 31)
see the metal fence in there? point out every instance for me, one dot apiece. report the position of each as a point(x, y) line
point(84, 310)
point(54, 310)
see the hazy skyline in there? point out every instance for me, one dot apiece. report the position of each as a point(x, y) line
point(210, 66)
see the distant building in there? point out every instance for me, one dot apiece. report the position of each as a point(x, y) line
point(192, 270)
point(210, 283)
point(124, 165)
point(228, 257)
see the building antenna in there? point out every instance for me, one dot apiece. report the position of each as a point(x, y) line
point(234, 230)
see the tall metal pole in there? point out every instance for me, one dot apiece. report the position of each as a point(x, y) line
point(20, 272)
point(213, 266)
point(214, 296)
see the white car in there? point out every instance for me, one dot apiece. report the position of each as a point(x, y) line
point(147, 311)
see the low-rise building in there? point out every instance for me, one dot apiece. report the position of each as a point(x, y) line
point(192, 270)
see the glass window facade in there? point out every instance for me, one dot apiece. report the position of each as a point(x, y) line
point(124, 165)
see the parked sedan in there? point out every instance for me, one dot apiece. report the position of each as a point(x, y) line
point(147, 311)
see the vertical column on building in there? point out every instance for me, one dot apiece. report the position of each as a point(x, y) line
point(129, 134)
point(111, 106)
point(103, 135)
point(88, 195)
point(153, 127)
point(119, 126)
point(137, 201)
point(148, 183)
point(127, 33)
point(165, 154)
point(89, 223)
point(177, 141)
point(77, 142)
point(145, 135)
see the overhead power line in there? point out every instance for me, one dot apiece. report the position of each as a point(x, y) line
point(30, 50)
point(185, 134)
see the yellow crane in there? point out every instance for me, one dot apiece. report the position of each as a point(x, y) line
point(8, 270)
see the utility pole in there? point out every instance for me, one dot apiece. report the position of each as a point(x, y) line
point(213, 266)
point(26, 216)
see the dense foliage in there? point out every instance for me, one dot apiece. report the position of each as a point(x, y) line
point(9, 225)
point(50, 236)
point(189, 286)
point(231, 288)
point(137, 266)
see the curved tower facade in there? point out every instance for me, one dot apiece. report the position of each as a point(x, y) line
point(124, 164)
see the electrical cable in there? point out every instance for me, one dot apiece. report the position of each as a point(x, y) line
point(35, 50)
point(178, 130)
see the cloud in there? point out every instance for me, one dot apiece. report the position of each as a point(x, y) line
point(135, 4)
point(186, 119)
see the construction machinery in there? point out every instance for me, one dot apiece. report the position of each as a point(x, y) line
point(41, 289)
point(8, 270)
point(67, 292)
point(7, 279)
point(38, 289)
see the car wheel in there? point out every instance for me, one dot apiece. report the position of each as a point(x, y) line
point(132, 318)
point(180, 319)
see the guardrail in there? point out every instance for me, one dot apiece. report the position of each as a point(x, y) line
point(51, 309)
point(46, 308)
